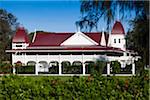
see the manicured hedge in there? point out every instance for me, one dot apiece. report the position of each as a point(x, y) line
point(72, 69)
point(95, 87)
point(25, 70)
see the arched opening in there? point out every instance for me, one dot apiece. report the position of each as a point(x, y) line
point(43, 66)
point(66, 66)
point(26, 69)
point(31, 63)
point(54, 67)
point(18, 64)
point(89, 65)
point(77, 67)
point(44, 63)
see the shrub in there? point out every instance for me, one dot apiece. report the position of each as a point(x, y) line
point(95, 87)
point(25, 70)
point(5, 68)
point(115, 67)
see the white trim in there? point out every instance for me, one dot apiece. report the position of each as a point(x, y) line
point(66, 46)
point(10, 51)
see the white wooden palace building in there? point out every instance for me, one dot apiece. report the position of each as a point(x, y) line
point(47, 49)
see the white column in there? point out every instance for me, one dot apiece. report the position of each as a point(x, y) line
point(60, 64)
point(36, 69)
point(108, 68)
point(14, 70)
point(133, 68)
point(13, 61)
point(83, 69)
point(83, 64)
point(25, 59)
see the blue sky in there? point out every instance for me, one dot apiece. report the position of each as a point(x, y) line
point(51, 16)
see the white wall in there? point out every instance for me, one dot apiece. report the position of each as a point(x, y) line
point(122, 43)
point(24, 45)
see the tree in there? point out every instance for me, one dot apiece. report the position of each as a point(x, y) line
point(92, 11)
point(8, 24)
point(138, 35)
point(138, 38)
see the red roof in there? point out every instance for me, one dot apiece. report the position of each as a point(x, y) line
point(55, 39)
point(20, 36)
point(94, 36)
point(50, 39)
point(118, 28)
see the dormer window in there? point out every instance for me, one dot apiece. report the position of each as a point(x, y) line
point(119, 40)
point(114, 40)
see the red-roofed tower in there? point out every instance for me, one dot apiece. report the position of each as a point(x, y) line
point(20, 39)
point(117, 38)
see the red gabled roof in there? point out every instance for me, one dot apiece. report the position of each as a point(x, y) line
point(50, 39)
point(94, 36)
point(20, 36)
point(97, 36)
point(55, 39)
point(118, 28)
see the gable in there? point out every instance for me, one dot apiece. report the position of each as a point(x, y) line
point(79, 39)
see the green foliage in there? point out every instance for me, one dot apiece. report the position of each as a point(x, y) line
point(7, 26)
point(139, 66)
point(93, 87)
point(54, 69)
point(25, 70)
point(5, 68)
point(68, 68)
point(100, 65)
point(115, 67)
point(138, 38)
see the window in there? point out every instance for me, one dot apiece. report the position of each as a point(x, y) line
point(119, 40)
point(114, 40)
point(18, 45)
